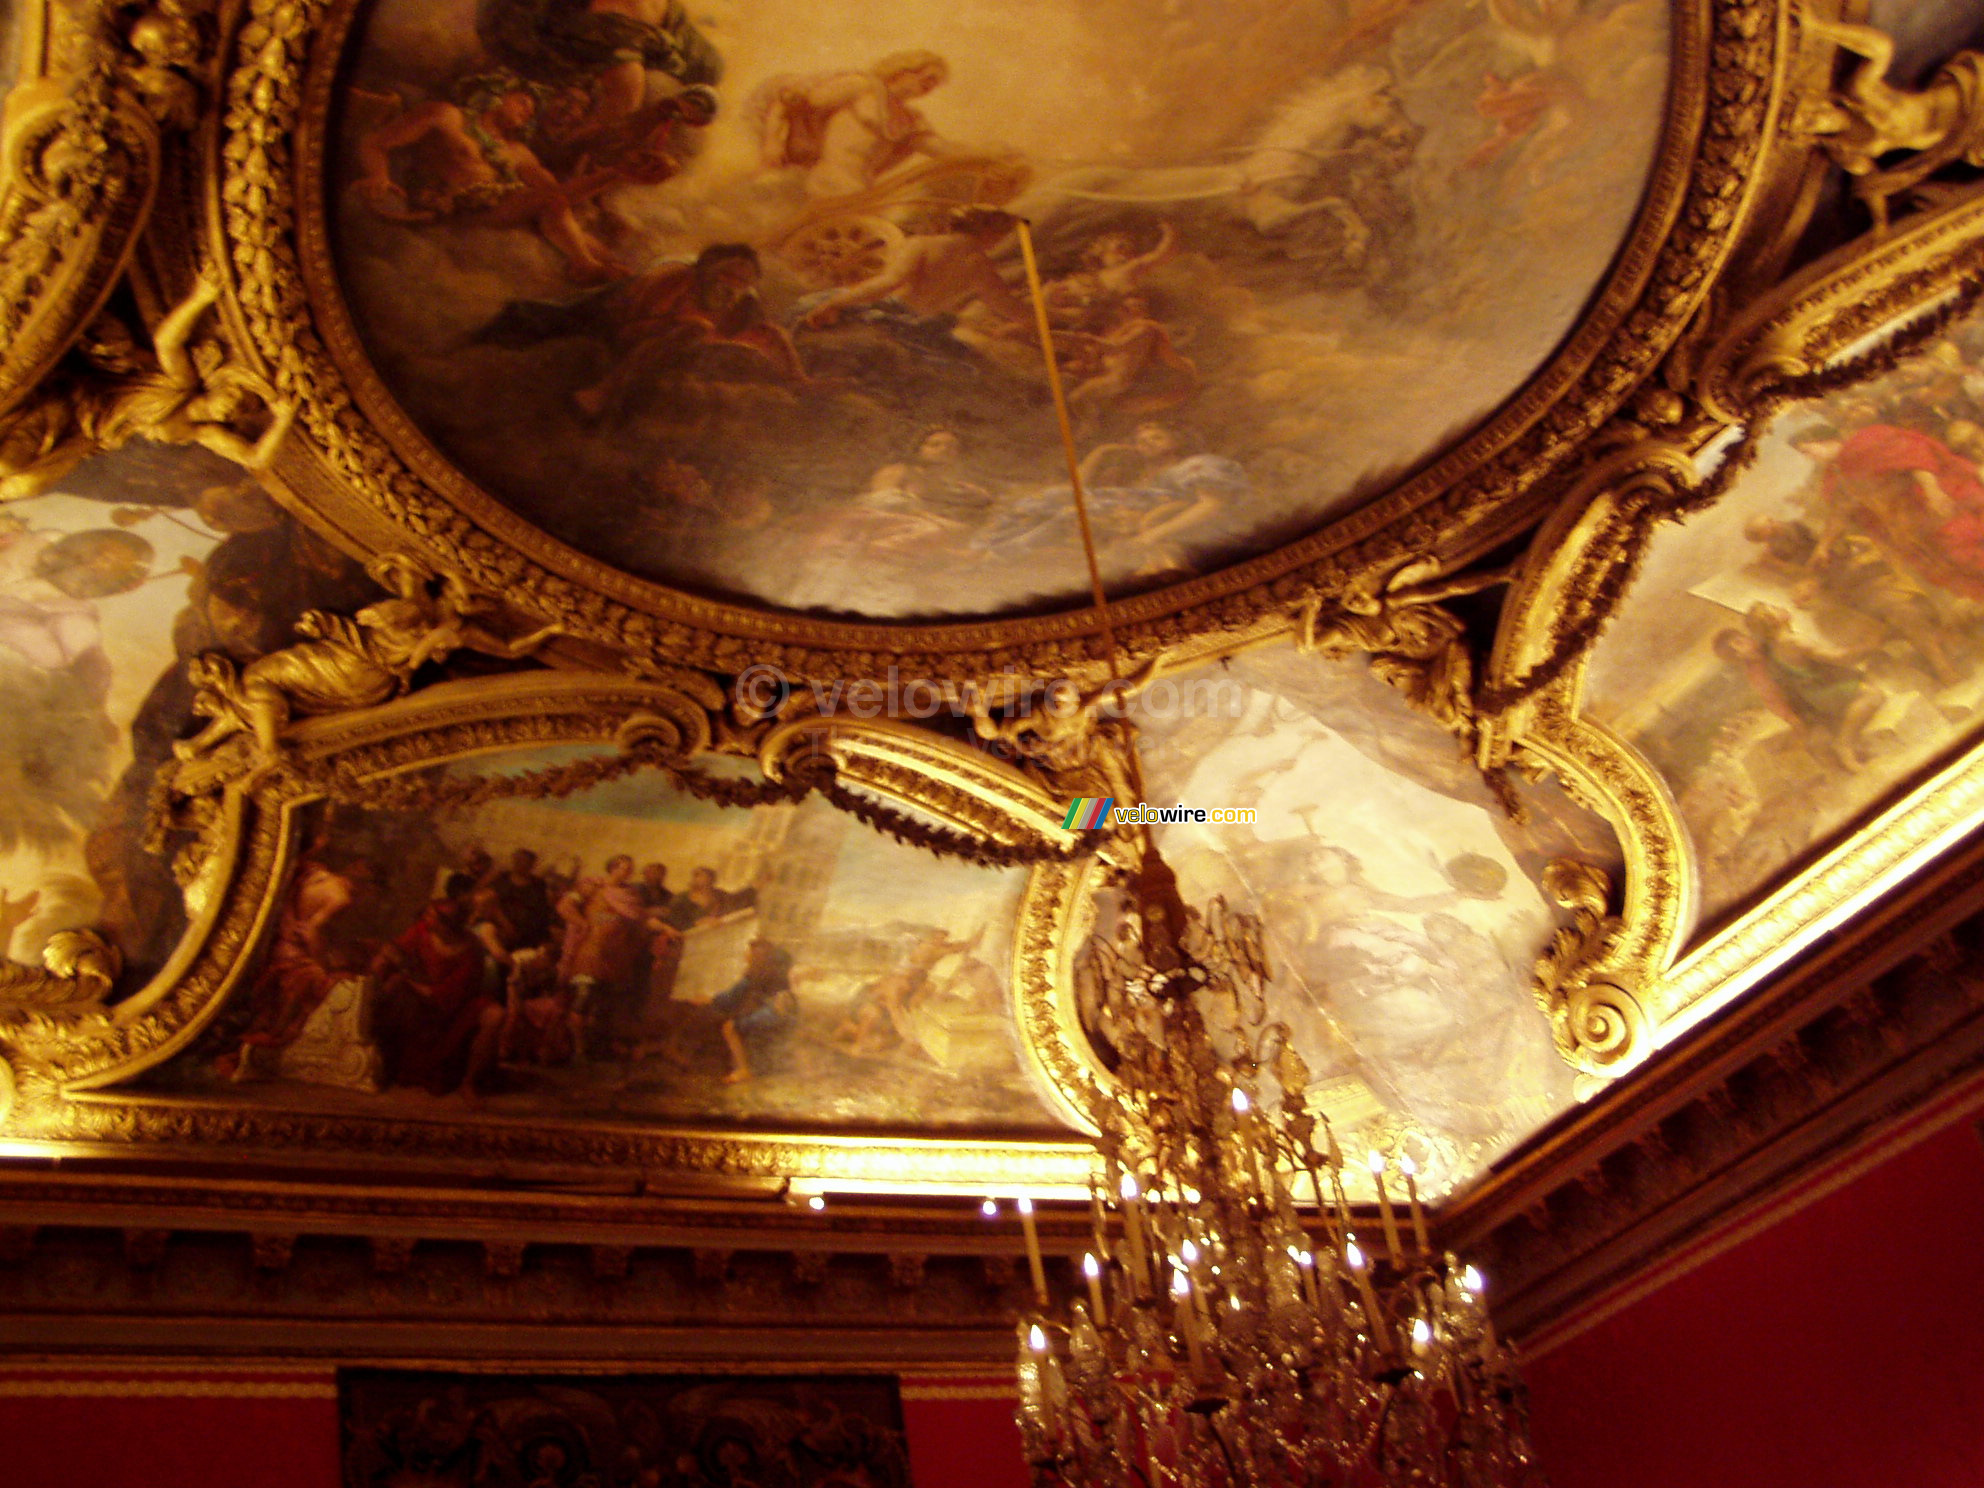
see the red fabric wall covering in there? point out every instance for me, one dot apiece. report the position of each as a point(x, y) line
point(961, 1431)
point(161, 1426)
point(1839, 1346)
point(150, 1425)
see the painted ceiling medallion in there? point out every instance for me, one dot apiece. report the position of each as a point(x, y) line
point(729, 300)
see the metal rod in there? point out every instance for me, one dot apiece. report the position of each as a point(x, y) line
point(1067, 440)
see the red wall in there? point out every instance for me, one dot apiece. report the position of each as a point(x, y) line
point(163, 1427)
point(1836, 1343)
point(153, 1426)
point(1841, 1347)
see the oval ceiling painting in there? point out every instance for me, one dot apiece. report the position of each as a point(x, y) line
point(731, 296)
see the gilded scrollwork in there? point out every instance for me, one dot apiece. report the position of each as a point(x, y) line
point(1627, 971)
point(339, 665)
point(397, 756)
point(334, 713)
point(1599, 1026)
point(79, 161)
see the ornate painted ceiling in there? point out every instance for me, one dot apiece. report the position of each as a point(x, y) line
point(542, 619)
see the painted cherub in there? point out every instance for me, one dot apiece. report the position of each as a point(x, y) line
point(346, 663)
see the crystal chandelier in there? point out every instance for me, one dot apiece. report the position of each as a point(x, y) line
point(1221, 1341)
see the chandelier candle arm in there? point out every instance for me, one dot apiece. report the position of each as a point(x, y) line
point(1411, 1170)
point(1033, 1262)
point(1385, 1215)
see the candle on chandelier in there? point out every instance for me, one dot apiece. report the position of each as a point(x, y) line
point(1476, 1286)
point(1025, 1207)
point(1360, 1273)
point(1422, 1336)
point(1187, 1320)
point(1033, 1339)
point(1306, 1262)
point(1133, 1229)
point(1411, 1170)
point(1377, 1163)
point(1092, 1274)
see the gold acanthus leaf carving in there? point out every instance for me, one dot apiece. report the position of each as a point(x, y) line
point(78, 968)
point(1598, 1025)
point(39, 1004)
point(1867, 120)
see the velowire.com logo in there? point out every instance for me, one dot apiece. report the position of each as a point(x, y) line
point(1088, 812)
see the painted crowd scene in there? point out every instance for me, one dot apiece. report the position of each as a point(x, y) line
point(1791, 656)
point(730, 294)
point(630, 951)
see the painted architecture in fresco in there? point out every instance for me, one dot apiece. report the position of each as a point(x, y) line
point(109, 581)
point(735, 301)
point(1401, 904)
point(685, 1431)
point(630, 951)
point(1784, 693)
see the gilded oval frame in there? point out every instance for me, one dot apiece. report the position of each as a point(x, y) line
point(1728, 62)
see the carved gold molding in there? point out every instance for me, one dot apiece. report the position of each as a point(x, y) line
point(79, 160)
point(69, 1060)
point(1587, 983)
point(1834, 323)
point(1728, 62)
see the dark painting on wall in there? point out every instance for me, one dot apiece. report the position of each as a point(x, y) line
point(440, 1430)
